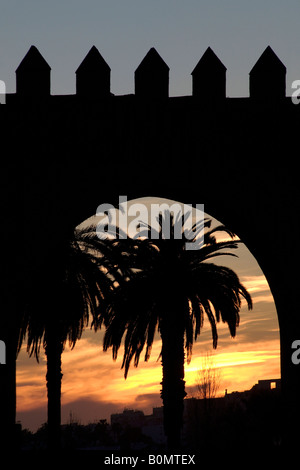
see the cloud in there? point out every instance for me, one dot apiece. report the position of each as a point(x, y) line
point(258, 287)
point(147, 401)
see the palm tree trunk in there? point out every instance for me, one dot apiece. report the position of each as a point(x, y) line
point(53, 352)
point(173, 384)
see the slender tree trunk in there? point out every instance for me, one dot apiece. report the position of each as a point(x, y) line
point(173, 384)
point(53, 352)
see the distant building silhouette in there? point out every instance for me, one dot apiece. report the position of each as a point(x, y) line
point(248, 420)
point(128, 418)
point(150, 425)
point(201, 415)
point(270, 384)
point(237, 415)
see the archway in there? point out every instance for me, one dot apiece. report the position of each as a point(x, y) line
point(93, 376)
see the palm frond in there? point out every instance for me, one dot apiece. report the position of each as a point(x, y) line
point(162, 270)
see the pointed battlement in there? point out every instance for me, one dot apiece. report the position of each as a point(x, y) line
point(267, 79)
point(33, 75)
point(93, 75)
point(209, 77)
point(152, 77)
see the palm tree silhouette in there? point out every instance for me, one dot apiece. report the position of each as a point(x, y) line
point(62, 308)
point(170, 291)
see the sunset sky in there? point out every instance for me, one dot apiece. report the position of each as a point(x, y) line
point(123, 31)
point(93, 384)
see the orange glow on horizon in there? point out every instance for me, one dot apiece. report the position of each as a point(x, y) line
point(90, 374)
point(91, 378)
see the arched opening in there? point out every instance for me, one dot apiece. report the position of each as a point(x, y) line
point(94, 388)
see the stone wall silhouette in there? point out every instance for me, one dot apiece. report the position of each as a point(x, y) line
point(65, 155)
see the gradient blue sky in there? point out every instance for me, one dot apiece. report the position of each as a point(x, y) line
point(124, 30)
